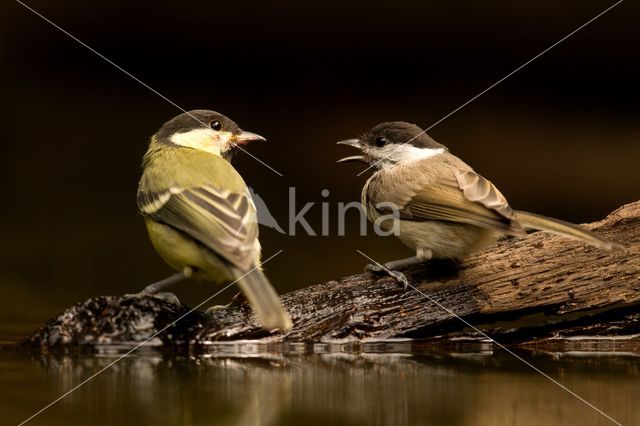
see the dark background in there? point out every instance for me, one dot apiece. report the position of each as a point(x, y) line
point(560, 137)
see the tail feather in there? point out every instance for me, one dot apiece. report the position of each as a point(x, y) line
point(264, 300)
point(559, 227)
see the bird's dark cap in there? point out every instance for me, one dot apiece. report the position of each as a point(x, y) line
point(400, 132)
point(196, 119)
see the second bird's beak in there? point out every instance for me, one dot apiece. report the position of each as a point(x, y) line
point(356, 144)
point(246, 137)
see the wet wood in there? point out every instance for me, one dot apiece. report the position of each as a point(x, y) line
point(527, 291)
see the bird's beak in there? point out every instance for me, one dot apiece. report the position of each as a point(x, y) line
point(246, 137)
point(359, 158)
point(356, 144)
point(351, 142)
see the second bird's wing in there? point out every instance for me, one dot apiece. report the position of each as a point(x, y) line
point(461, 196)
point(223, 221)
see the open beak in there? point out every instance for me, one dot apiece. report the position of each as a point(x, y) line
point(356, 144)
point(246, 137)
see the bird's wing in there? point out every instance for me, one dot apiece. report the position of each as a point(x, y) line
point(461, 196)
point(477, 189)
point(223, 221)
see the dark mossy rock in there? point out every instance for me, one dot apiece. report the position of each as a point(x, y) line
point(108, 320)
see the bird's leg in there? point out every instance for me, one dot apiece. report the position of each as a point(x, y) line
point(154, 289)
point(394, 264)
point(422, 255)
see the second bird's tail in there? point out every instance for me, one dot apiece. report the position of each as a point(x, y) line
point(559, 227)
point(264, 300)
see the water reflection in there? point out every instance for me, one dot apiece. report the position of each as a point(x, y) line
point(329, 388)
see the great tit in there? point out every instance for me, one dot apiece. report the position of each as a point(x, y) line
point(444, 208)
point(198, 211)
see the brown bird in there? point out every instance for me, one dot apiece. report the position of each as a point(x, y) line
point(443, 208)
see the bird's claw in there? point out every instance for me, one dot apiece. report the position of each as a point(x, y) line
point(216, 308)
point(378, 269)
point(238, 300)
point(375, 268)
point(166, 296)
point(401, 278)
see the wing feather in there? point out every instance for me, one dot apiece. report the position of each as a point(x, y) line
point(477, 188)
point(447, 194)
point(222, 221)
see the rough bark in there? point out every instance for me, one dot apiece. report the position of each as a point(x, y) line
point(542, 291)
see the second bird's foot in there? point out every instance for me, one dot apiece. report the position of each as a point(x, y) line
point(400, 277)
point(383, 269)
point(375, 268)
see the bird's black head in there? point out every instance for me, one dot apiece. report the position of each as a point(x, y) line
point(197, 119)
point(393, 142)
point(399, 133)
point(204, 130)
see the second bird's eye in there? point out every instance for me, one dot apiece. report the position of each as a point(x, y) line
point(381, 141)
point(215, 125)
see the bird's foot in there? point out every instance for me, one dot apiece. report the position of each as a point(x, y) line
point(376, 268)
point(400, 277)
point(385, 269)
point(216, 308)
point(238, 300)
point(396, 264)
point(153, 290)
point(165, 296)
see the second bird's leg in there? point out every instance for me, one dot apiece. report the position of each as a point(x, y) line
point(394, 264)
point(422, 255)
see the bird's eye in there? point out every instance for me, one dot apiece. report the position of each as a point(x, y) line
point(215, 125)
point(381, 141)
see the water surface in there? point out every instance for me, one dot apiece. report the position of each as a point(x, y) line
point(385, 385)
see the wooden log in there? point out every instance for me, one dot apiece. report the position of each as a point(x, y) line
point(527, 291)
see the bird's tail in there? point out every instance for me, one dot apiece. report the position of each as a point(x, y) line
point(533, 221)
point(264, 299)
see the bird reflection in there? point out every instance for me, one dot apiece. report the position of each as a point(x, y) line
point(335, 387)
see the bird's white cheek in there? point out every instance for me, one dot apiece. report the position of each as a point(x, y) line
point(206, 140)
point(397, 153)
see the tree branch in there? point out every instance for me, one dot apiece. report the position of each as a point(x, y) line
point(540, 290)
